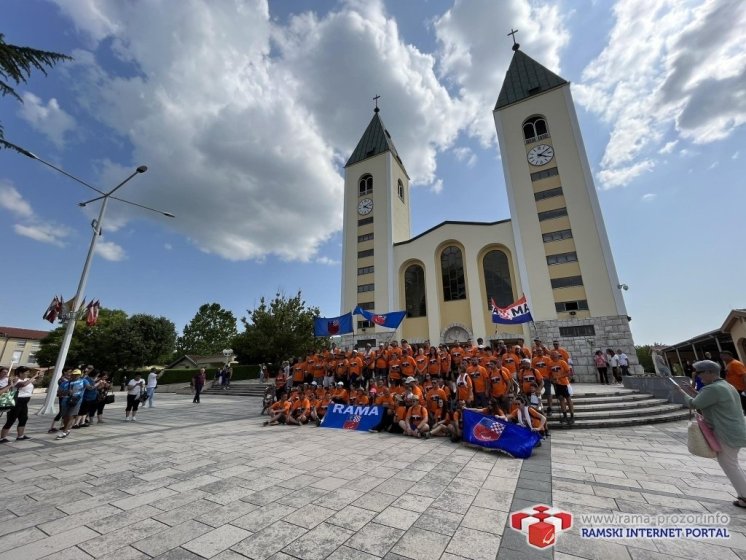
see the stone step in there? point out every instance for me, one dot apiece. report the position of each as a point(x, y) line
point(604, 399)
point(620, 413)
point(673, 416)
point(591, 406)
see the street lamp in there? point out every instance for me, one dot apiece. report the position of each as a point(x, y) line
point(97, 225)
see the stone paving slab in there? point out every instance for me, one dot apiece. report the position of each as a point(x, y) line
point(207, 481)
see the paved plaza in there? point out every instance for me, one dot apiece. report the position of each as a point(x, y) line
point(207, 481)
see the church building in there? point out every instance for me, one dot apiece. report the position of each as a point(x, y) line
point(554, 248)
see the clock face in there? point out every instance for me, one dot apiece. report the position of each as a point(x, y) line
point(541, 154)
point(365, 207)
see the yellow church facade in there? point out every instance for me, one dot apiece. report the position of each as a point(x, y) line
point(554, 248)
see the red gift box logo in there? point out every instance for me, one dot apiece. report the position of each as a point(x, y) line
point(541, 524)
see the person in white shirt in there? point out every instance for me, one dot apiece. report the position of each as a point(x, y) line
point(153, 378)
point(613, 361)
point(134, 390)
point(19, 412)
point(623, 362)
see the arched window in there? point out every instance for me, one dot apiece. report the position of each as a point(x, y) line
point(365, 185)
point(400, 189)
point(535, 129)
point(452, 268)
point(497, 278)
point(414, 291)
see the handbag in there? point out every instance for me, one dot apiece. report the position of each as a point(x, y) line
point(110, 398)
point(8, 400)
point(696, 442)
point(708, 432)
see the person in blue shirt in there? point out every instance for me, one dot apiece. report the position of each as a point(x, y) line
point(90, 398)
point(72, 400)
point(62, 385)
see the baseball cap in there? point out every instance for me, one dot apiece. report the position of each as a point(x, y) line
point(706, 366)
point(525, 362)
point(314, 384)
point(76, 372)
point(340, 384)
point(409, 380)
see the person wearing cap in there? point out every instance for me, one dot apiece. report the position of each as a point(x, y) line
point(72, 401)
point(735, 374)
point(412, 387)
point(559, 371)
point(340, 394)
point(24, 386)
point(479, 380)
point(719, 403)
point(416, 422)
point(528, 375)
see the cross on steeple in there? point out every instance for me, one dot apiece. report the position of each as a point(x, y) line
point(376, 98)
point(512, 33)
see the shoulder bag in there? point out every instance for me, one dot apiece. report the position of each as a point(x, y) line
point(696, 442)
point(8, 400)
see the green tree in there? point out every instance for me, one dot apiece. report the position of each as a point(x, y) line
point(210, 331)
point(16, 65)
point(115, 342)
point(645, 355)
point(278, 330)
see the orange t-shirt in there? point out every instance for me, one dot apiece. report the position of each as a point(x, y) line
point(510, 361)
point(401, 412)
point(464, 392)
point(528, 376)
point(559, 371)
point(735, 374)
point(540, 363)
point(499, 382)
point(533, 414)
point(408, 366)
point(436, 398)
point(421, 364)
point(457, 355)
point(433, 365)
point(445, 363)
point(384, 400)
point(279, 405)
point(394, 367)
point(562, 352)
point(299, 372)
point(341, 394)
point(478, 378)
point(356, 365)
point(301, 405)
point(381, 359)
point(416, 414)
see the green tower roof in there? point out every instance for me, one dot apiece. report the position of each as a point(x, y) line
point(525, 78)
point(375, 140)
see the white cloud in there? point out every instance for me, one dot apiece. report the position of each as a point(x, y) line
point(45, 233)
point(681, 67)
point(110, 251)
point(327, 261)
point(735, 155)
point(713, 165)
point(649, 197)
point(168, 246)
point(33, 226)
point(11, 199)
point(437, 186)
point(49, 119)
point(232, 128)
point(466, 155)
point(668, 148)
point(473, 56)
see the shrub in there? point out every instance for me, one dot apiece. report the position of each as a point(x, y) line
point(185, 375)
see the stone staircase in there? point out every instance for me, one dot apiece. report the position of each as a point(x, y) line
point(598, 406)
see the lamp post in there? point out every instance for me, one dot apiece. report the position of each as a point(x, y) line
point(97, 225)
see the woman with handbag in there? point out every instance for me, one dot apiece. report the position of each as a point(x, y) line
point(720, 405)
point(24, 388)
point(134, 392)
point(103, 385)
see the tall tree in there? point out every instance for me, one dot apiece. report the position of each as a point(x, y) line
point(210, 331)
point(16, 65)
point(115, 342)
point(277, 331)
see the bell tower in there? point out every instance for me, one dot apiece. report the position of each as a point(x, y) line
point(376, 215)
point(564, 258)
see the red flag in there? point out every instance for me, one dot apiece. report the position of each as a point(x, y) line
point(52, 311)
point(91, 317)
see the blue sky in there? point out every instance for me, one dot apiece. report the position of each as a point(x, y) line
point(246, 111)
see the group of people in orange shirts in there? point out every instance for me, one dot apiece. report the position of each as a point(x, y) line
point(424, 388)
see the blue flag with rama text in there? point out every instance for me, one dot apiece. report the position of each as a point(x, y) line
point(352, 417)
point(389, 320)
point(325, 326)
point(493, 433)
